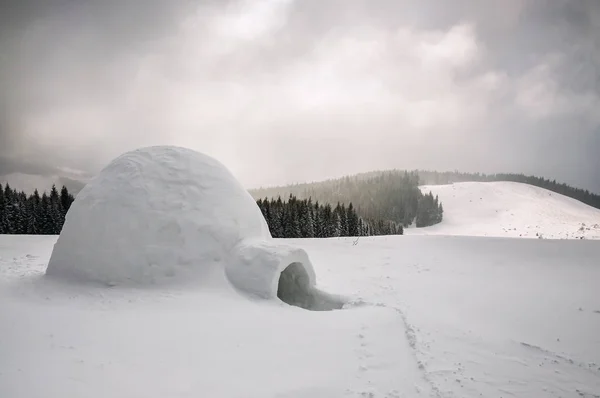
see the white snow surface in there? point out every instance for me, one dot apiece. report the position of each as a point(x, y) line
point(510, 209)
point(428, 316)
point(156, 215)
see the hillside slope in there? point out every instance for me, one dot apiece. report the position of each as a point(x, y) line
point(510, 209)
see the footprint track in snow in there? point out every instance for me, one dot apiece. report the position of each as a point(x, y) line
point(368, 363)
point(411, 338)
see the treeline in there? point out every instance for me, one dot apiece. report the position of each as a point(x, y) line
point(429, 211)
point(33, 214)
point(448, 177)
point(392, 196)
point(300, 218)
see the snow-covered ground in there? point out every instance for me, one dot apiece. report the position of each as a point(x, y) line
point(510, 209)
point(428, 316)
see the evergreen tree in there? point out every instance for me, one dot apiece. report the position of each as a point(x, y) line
point(361, 228)
point(57, 213)
point(9, 209)
point(3, 220)
point(66, 199)
point(291, 223)
point(32, 222)
point(20, 212)
point(277, 216)
point(352, 220)
point(341, 213)
point(310, 232)
point(344, 221)
point(306, 221)
point(296, 219)
point(46, 225)
point(39, 212)
point(329, 221)
point(337, 225)
point(318, 221)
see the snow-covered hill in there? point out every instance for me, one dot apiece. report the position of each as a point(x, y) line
point(510, 209)
point(427, 316)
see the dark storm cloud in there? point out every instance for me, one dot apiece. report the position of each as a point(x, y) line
point(272, 87)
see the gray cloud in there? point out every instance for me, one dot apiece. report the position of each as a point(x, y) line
point(286, 91)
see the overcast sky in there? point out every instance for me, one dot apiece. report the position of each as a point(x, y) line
point(286, 91)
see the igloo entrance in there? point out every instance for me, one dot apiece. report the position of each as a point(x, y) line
point(294, 289)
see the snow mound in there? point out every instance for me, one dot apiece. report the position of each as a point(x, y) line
point(510, 209)
point(166, 214)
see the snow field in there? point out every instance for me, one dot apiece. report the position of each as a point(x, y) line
point(428, 316)
point(86, 340)
point(487, 317)
point(166, 282)
point(510, 209)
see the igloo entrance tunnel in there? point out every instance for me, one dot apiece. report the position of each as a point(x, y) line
point(169, 215)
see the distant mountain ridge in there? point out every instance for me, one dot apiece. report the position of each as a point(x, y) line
point(427, 177)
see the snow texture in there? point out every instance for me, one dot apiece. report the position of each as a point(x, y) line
point(163, 215)
point(510, 209)
point(428, 316)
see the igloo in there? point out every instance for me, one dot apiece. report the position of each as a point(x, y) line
point(170, 215)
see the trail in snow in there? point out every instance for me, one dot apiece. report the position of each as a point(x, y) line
point(383, 375)
point(468, 303)
point(411, 338)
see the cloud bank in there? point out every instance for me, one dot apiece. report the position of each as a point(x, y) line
point(284, 91)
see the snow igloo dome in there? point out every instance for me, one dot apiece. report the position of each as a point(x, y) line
point(162, 215)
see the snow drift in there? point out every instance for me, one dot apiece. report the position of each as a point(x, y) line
point(171, 215)
point(510, 209)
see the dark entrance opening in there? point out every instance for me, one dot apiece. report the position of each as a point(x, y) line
point(294, 289)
